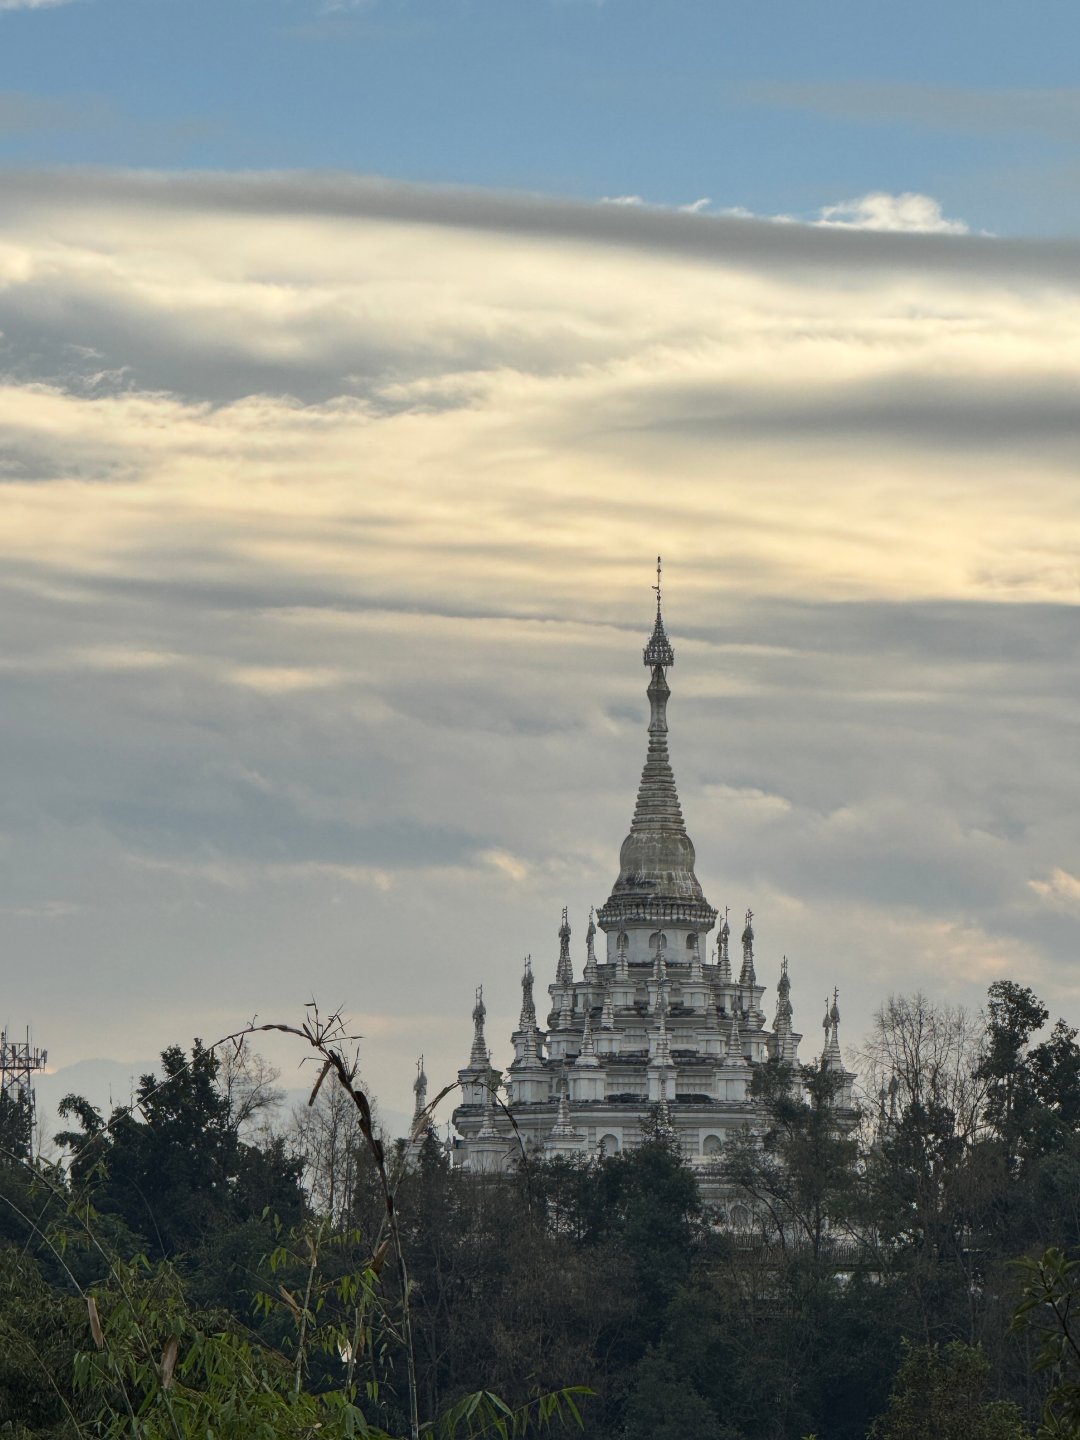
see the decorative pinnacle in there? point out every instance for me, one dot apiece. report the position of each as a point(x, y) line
point(747, 976)
point(564, 971)
point(590, 945)
point(658, 651)
point(528, 1005)
point(478, 1057)
point(784, 1013)
point(420, 1087)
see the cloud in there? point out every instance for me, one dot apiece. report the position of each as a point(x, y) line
point(1060, 889)
point(716, 239)
point(31, 4)
point(329, 511)
point(879, 211)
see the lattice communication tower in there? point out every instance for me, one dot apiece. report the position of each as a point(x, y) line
point(20, 1060)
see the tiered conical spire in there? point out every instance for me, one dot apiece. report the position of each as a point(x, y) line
point(591, 972)
point(528, 1004)
point(782, 1025)
point(723, 952)
point(419, 1090)
point(587, 1054)
point(747, 975)
point(564, 970)
point(831, 1058)
point(656, 863)
point(487, 1129)
point(735, 1038)
point(607, 1015)
point(478, 1056)
point(563, 1127)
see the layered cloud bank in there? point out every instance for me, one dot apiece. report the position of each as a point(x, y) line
point(329, 509)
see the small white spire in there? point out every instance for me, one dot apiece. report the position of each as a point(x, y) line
point(831, 1058)
point(528, 1004)
point(478, 1056)
point(607, 1015)
point(587, 1054)
point(735, 1037)
point(747, 976)
point(563, 1126)
point(420, 1089)
point(487, 1129)
point(590, 945)
point(564, 970)
point(723, 956)
point(621, 945)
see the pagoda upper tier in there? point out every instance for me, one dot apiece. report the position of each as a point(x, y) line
point(656, 879)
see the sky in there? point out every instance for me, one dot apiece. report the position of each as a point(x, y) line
point(355, 363)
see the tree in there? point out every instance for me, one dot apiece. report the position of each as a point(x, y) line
point(1013, 1014)
point(941, 1395)
point(800, 1175)
point(174, 1167)
point(1049, 1305)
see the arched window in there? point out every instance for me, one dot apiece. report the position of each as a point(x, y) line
point(740, 1217)
point(691, 943)
point(712, 1145)
point(609, 1144)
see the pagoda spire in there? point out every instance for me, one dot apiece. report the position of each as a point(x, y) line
point(785, 1038)
point(723, 952)
point(563, 1127)
point(591, 973)
point(528, 1004)
point(487, 1129)
point(419, 1090)
point(607, 1015)
point(747, 975)
point(564, 970)
point(587, 1054)
point(831, 1059)
point(478, 1057)
point(656, 864)
point(735, 1039)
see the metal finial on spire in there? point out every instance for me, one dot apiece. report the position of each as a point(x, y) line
point(658, 652)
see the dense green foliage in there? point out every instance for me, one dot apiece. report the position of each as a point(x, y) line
point(890, 1280)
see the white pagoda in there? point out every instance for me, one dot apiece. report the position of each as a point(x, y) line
point(662, 1028)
